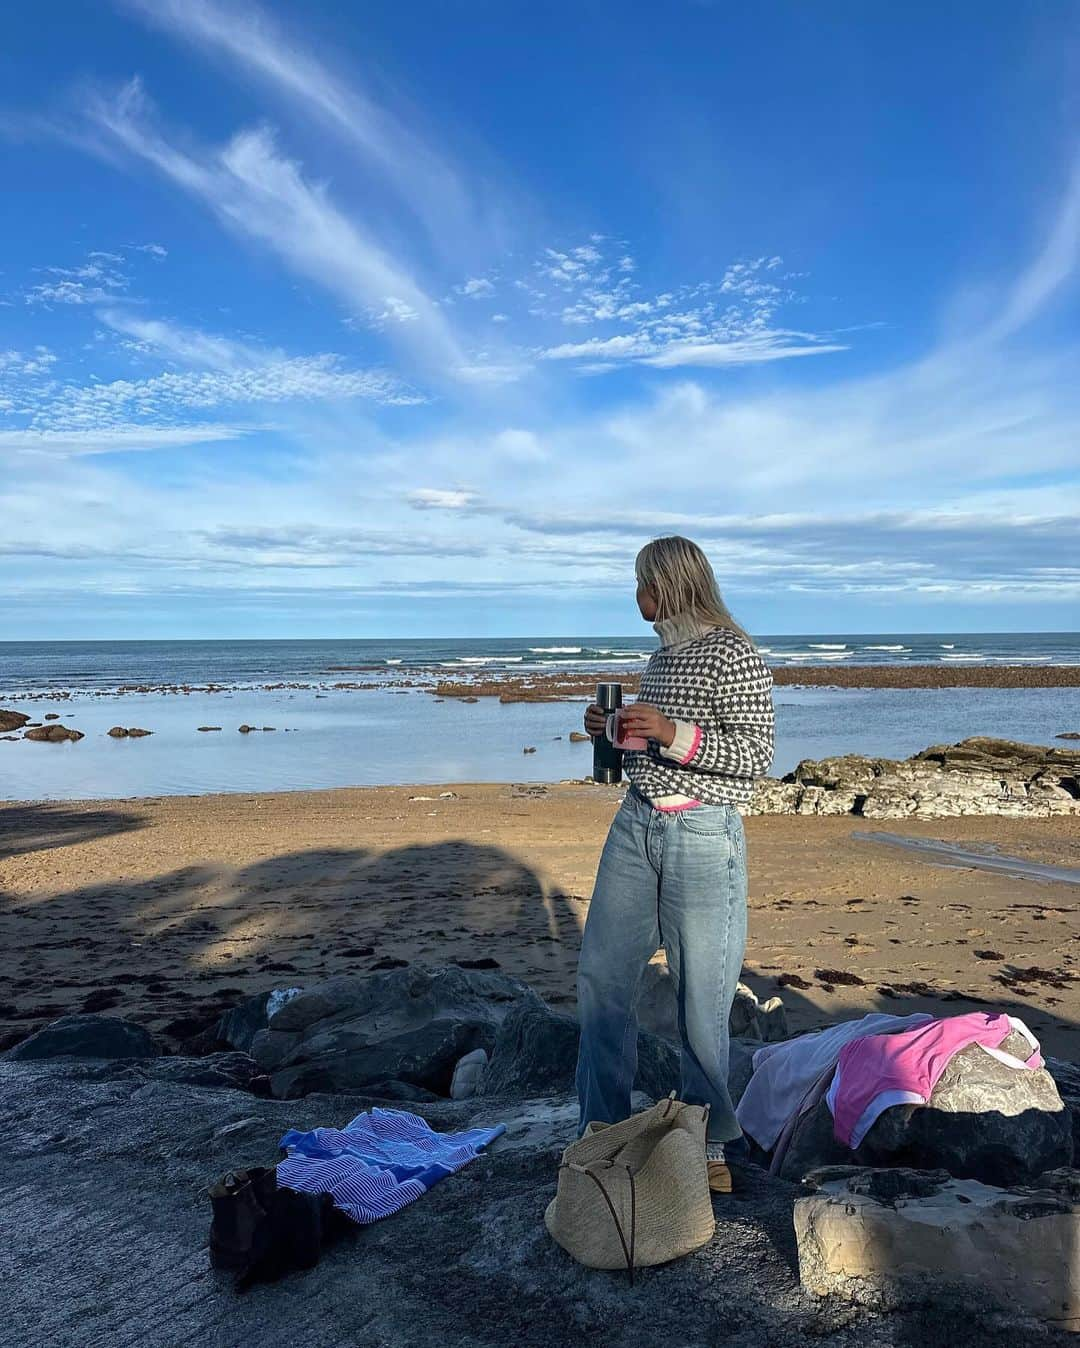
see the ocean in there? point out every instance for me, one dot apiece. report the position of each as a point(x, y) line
point(324, 736)
point(91, 666)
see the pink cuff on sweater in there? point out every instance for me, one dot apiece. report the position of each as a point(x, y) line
point(686, 743)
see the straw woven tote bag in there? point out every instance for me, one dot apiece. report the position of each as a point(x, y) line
point(635, 1193)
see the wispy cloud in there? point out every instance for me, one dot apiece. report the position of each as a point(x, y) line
point(248, 39)
point(259, 193)
point(120, 439)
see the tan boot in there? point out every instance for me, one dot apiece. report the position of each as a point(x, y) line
point(719, 1177)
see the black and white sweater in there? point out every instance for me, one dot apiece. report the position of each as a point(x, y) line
point(716, 688)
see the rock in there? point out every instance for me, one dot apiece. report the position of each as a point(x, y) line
point(468, 1074)
point(53, 733)
point(740, 1066)
point(1068, 735)
point(1067, 1079)
point(889, 1236)
point(246, 729)
point(12, 720)
point(118, 732)
point(208, 727)
point(579, 737)
point(984, 1121)
point(749, 1019)
point(535, 1053)
point(134, 732)
point(51, 716)
point(239, 1026)
point(234, 1070)
point(977, 776)
point(529, 751)
point(88, 1036)
point(106, 1164)
point(411, 1024)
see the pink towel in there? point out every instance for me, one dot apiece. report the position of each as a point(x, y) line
point(889, 1069)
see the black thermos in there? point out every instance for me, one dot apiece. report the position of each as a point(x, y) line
point(606, 759)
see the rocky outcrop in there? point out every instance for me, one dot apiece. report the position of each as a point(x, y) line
point(977, 776)
point(12, 720)
point(87, 1037)
point(119, 732)
point(52, 733)
point(886, 1237)
point(410, 1024)
point(985, 1121)
point(104, 1182)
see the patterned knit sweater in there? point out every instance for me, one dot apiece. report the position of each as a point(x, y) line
point(718, 691)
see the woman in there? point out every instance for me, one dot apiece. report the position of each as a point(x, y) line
point(673, 870)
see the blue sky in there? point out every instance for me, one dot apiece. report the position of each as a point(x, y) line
point(322, 320)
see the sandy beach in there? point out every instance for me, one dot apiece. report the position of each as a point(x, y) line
point(171, 909)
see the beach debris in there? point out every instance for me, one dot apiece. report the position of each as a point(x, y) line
point(448, 795)
point(52, 733)
point(467, 1074)
point(867, 1235)
point(208, 727)
point(830, 977)
point(13, 720)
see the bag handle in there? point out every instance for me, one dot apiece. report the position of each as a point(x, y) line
point(628, 1250)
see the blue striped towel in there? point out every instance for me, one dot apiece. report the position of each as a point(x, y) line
point(379, 1162)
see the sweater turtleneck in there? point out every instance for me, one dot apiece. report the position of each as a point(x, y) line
point(683, 627)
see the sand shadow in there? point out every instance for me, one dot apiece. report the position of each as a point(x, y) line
point(175, 949)
point(41, 827)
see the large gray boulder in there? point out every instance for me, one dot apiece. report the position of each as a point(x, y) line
point(408, 1025)
point(984, 1121)
point(87, 1037)
point(536, 1049)
point(978, 776)
point(536, 1053)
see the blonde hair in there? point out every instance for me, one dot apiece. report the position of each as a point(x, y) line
point(679, 577)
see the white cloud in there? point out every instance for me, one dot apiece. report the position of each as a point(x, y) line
point(36, 362)
point(187, 345)
point(256, 191)
point(114, 439)
point(249, 39)
point(476, 288)
point(436, 498)
point(174, 394)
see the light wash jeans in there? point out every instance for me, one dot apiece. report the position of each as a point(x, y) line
point(675, 879)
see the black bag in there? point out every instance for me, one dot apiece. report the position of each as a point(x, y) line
point(261, 1232)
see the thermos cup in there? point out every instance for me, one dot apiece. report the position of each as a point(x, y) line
point(606, 759)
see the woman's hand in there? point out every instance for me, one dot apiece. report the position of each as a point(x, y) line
point(647, 723)
point(595, 719)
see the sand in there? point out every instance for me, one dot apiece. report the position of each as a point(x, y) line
point(168, 910)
